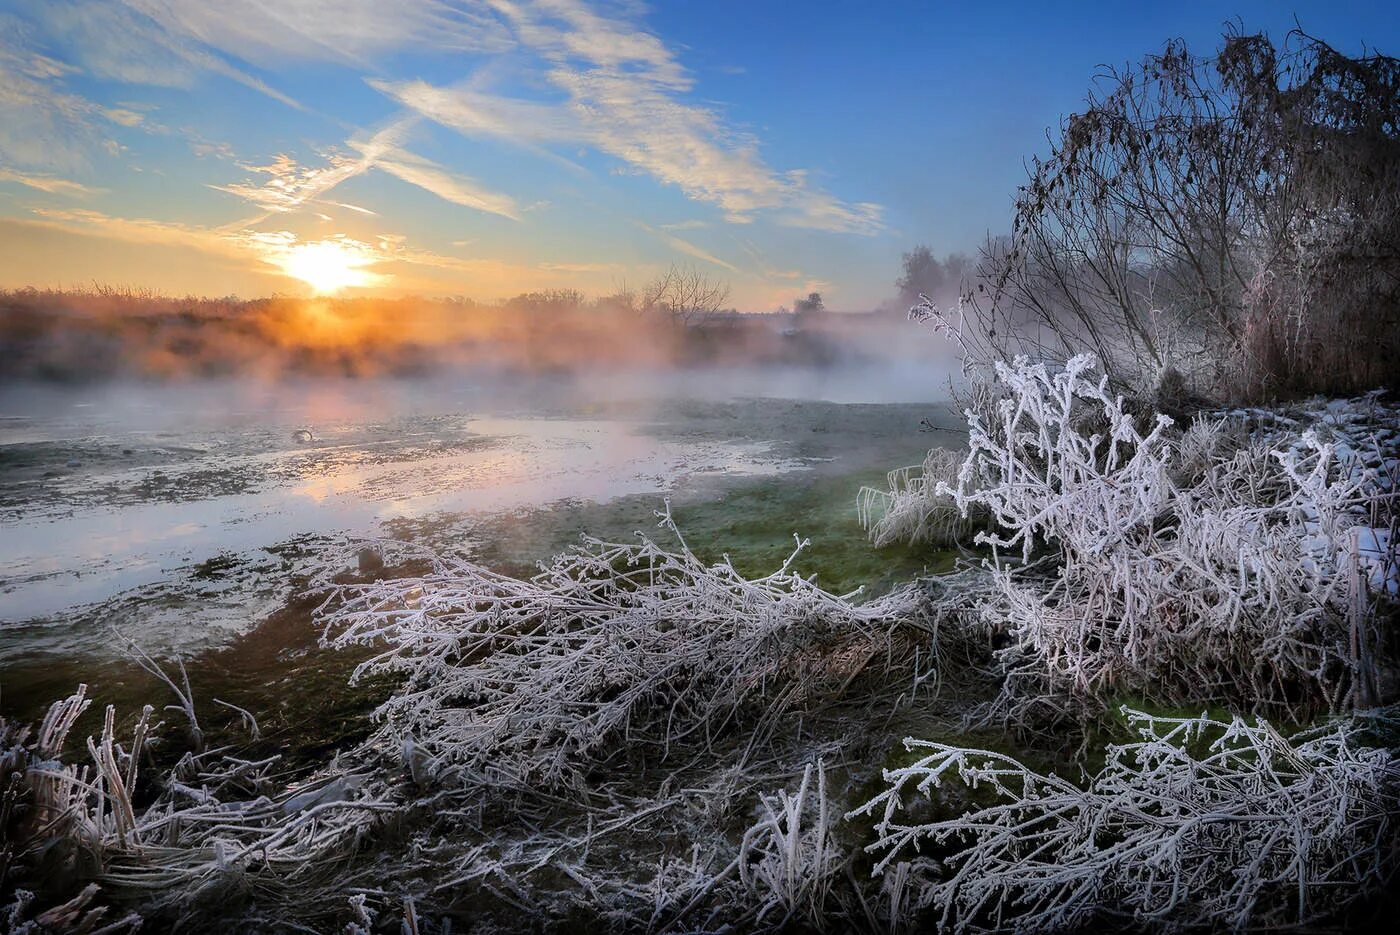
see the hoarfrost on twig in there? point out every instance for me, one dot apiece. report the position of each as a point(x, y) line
point(1237, 575)
point(611, 649)
point(1199, 823)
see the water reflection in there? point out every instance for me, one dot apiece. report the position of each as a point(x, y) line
point(92, 533)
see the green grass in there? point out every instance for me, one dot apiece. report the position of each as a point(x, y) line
point(752, 523)
point(299, 691)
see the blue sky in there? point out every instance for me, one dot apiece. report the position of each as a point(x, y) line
point(488, 147)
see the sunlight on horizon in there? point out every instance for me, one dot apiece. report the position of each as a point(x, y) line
point(329, 266)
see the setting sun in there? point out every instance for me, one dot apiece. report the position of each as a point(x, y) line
point(329, 266)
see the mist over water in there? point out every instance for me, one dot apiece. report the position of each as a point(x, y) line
point(178, 511)
point(31, 410)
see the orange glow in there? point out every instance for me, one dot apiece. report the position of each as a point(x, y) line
point(329, 266)
point(314, 325)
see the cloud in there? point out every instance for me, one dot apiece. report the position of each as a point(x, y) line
point(477, 113)
point(355, 208)
point(766, 270)
point(572, 28)
point(448, 186)
point(290, 186)
point(688, 248)
point(137, 230)
point(598, 81)
point(142, 42)
point(48, 183)
point(621, 95)
point(41, 124)
point(530, 125)
point(285, 253)
point(281, 252)
point(203, 147)
point(349, 31)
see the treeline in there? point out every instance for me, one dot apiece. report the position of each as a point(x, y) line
point(105, 333)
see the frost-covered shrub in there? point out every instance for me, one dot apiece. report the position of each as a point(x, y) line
point(1172, 565)
point(912, 510)
point(575, 745)
point(1202, 823)
point(612, 649)
point(1205, 441)
point(89, 807)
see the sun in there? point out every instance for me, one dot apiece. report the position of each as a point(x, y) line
point(329, 266)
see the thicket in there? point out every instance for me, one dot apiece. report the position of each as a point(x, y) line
point(1224, 225)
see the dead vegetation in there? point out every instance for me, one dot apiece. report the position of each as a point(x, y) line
point(600, 742)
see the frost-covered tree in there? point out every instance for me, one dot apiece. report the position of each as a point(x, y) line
point(1234, 217)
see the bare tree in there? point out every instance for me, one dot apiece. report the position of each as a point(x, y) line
point(687, 295)
point(1233, 218)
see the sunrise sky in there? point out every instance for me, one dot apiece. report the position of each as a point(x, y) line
point(490, 147)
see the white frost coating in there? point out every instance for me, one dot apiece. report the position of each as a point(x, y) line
point(1202, 823)
point(912, 510)
point(596, 715)
point(576, 742)
point(1179, 564)
point(1048, 475)
point(789, 865)
point(610, 649)
point(213, 817)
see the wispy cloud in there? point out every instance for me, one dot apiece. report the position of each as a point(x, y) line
point(478, 113)
point(137, 230)
point(586, 79)
point(368, 264)
point(448, 186)
point(50, 184)
point(279, 252)
point(622, 92)
point(142, 42)
point(42, 124)
point(688, 248)
point(289, 186)
point(203, 147)
point(355, 208)
point(762, 266)
point(348, 31)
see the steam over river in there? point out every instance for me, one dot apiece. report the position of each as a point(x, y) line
point(181, 514)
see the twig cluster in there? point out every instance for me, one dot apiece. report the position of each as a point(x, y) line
point(1177, 565)
point(1201, 823)
point(610, 651)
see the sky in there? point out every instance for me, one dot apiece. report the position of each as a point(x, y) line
point(490, 147)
